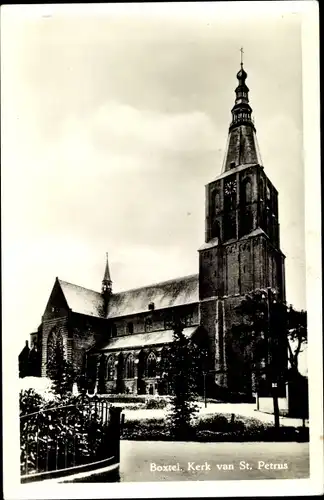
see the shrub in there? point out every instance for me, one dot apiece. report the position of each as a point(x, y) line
point(214, 428)
point(156, 404)
point(145, 429)
point(133, 407)
point(238, 426)
point(30, 401)
point(67, 433)
point(123, 398)
point(214, 423)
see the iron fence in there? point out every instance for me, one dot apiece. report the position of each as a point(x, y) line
point(67, 436)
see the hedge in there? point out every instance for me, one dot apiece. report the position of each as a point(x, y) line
point(214, 428)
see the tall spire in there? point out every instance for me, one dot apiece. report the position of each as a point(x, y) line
point(106, 282)
point(242, 146)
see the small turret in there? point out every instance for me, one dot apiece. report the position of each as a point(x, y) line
point(106, 287)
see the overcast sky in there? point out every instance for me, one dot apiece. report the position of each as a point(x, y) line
point(113, 124)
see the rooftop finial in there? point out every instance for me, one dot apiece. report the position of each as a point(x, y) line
point(242, 52)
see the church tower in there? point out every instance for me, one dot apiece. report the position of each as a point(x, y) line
point(241, 252)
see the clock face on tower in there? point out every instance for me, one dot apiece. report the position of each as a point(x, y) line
point(230, 187)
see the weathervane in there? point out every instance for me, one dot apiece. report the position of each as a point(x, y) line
point(241, 50)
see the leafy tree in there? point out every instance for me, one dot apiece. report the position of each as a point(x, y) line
point(81, 376)
point(30, 402)
point(55, 436)
point(269, 328)
point(182, 368)
point(249, 337)
point(60, 370)
point(297, 335)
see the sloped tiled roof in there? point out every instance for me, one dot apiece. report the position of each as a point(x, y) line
point(82, 300)
point(145, 339)
point(176, 292)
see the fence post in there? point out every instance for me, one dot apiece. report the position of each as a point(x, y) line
point(114, 426)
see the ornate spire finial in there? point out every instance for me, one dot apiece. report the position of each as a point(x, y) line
point(241, 112)
point(242, 144)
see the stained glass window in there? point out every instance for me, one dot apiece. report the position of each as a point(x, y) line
point(151, 365)
point(130, 366)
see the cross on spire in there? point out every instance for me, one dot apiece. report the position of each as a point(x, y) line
point(242, 52)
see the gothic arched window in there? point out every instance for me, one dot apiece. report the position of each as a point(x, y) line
point(55, 348)
point(130, 366)
point(246, 192)
point(50, 345)
point(215, 230)
point(215, 201)
point(54, 342)
point(151, 365)
point(229, 226)
point(111, 368)
point(261, 188)
point(246, 224)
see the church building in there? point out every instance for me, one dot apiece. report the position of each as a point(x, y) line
point(128, 333)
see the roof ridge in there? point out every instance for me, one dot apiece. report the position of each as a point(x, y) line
point(157, 283)
point(78, 286)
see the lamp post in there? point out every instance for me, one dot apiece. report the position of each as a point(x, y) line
point(275, 404)
point(205, 395)
point(274, 384)
point(205, 373)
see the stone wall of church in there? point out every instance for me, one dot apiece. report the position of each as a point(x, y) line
point(240, 267)
point(248, 264)
point(79, 334)
point(159, 320)
point(208, 317)
point(211, 272)
point(85, 331)
point(115, 380)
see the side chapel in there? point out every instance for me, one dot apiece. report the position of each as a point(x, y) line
point(128, 333)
